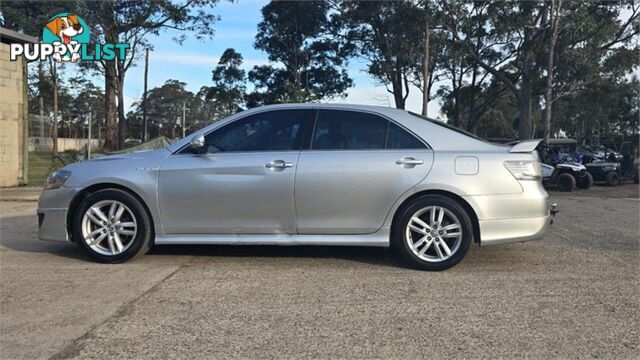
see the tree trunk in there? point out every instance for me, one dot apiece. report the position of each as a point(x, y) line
point(122, 121)
point(111, 140)
point(54, 128)
point(397, 88)
point(110, 119)
point(524, 95)
point(554, 16)
point(425, 65)
point(145, 133)
point(471, 118)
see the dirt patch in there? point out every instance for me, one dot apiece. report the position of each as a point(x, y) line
point(626, 190)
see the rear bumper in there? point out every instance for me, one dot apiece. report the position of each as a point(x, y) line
point(495, 232)
point(514, 217)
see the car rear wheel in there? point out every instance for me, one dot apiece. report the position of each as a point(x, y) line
point(566, 182)
point(433, 233)
point(584, 181)
point(112, 226)
point(612, 178)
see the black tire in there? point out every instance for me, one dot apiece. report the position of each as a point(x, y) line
point(566, 182)
point(636, 178)
point(612, 178)
point(585, 181)
point(142, 241)
point(402, 246)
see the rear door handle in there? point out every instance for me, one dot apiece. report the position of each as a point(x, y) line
point(278, 164)
point(408, 160)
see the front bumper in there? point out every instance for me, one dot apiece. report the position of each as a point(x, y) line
point(52, 224)
point(52, 213)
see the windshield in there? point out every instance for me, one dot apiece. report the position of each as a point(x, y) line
point(450, 127)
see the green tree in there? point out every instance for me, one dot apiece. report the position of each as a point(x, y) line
point(88, 98)
point(119, 21)
point(29, 17)
point(606, 109)
point(378, 31)
point(595, 57)
point(164, 110)
point(592, 37)
point(229, 84)
point(516, 35)
point(307, 64)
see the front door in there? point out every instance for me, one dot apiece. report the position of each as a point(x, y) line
point(358, 165)
point(242, 184)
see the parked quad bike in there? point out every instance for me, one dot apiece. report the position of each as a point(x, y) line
point(566, 176)
point(611, 171)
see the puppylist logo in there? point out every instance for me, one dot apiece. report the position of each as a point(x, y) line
point(65, 37)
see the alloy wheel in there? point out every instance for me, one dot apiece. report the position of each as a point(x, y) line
point(434, 234)
point(109, 227)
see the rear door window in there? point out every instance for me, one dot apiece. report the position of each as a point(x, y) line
point(353, 130)
point(348, 130)
point(399, 138)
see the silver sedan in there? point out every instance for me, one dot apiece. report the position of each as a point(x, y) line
point(305, 174)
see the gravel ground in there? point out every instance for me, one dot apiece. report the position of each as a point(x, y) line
point(573, 294)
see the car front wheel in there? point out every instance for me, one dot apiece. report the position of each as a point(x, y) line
point(112, 226)
point(433, 233)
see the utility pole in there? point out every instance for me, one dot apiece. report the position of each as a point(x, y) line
point(425, 63)
point(89, 139)
point(184, 118)
point(54, 129)
point(145, 134)
point(554, 17)
point(41, 106)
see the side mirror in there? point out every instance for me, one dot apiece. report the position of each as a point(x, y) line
point(197, 144)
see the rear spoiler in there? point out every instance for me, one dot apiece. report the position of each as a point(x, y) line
point(525, 146)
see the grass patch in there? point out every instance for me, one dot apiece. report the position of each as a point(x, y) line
point(40, 166)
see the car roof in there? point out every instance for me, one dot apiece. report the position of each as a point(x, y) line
point(335, 106)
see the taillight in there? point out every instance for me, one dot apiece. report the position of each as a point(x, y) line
point(524, 170)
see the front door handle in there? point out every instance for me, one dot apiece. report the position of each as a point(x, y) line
point(278, 164)
point(409, 161)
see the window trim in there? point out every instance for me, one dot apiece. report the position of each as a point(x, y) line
point(386, 139)
point(306, 145)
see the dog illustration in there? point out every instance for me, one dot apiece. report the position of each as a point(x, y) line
point(65, 27)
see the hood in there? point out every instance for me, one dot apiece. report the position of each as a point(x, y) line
point(114, 168)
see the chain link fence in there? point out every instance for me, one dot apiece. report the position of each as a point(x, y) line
point(40, 137)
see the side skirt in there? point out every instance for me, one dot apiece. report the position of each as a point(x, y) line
point(379, 239)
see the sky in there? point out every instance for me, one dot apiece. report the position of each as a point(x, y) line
point(193, 61)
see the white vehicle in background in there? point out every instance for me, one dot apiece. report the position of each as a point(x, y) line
point(566, 176)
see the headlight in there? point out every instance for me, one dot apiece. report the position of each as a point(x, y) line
point(524, 170)
point(57, 178)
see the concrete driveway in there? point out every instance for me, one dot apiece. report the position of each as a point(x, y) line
point(574, 294)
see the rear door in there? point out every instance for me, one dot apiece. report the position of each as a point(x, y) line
point(357, 166)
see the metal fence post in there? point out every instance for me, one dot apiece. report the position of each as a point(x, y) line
point(89, 139)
